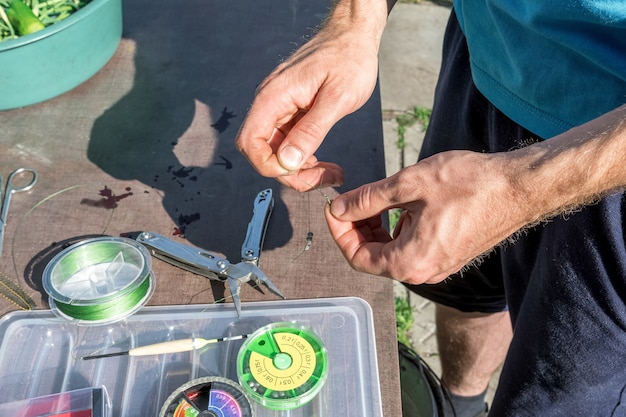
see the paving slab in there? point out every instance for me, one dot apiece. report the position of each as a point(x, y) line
point(410, 58)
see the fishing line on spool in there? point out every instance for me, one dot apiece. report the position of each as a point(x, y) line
point(99, 281)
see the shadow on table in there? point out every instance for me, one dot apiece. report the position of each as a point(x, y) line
point(197, 64)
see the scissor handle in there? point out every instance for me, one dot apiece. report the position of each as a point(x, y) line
point(12, 188)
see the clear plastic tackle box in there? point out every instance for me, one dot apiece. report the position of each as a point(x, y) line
point(41, 354)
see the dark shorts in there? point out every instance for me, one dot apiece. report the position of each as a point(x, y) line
point(463, 119)
point(564, 282)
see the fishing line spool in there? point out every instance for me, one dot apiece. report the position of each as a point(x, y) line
point(207, 397)
point(99, 281)
point(282, 366)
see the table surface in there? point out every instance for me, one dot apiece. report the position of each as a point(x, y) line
point(147, 145)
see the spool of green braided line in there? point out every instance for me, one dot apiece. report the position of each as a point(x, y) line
point(99, 281)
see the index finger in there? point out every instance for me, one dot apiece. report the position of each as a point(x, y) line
point(363, 243)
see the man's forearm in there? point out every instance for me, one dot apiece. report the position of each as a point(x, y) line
point(368, 16)
point(572, 169)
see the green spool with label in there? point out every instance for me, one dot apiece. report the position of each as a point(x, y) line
point(282, 366)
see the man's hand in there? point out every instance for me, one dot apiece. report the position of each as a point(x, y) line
point(456, 206)
point(331, 76)
point(460, 204)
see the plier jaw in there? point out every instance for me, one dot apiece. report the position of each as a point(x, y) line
point(213, 265)
point(243, 272)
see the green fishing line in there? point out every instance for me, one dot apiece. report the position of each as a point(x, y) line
point(99, 280)
point(107, 310)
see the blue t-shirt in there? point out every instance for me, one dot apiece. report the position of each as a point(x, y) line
point(549, 65)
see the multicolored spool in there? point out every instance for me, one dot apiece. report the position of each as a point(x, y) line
point(99, 281)
point(207, 397)
point(282, 366)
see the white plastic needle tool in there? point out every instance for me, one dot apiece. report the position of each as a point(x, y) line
point(174, 346)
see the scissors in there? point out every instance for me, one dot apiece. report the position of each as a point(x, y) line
point(213, 265)
point(12, 188)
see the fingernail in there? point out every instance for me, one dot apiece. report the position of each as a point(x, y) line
point(290, 157)
point(338, 206)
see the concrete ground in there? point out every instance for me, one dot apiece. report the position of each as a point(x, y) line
point(410, 57)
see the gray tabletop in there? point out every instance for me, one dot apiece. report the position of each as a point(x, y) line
point(147, 144)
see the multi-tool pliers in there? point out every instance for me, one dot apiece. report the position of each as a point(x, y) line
point(215, 266)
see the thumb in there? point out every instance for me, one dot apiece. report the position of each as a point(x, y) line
point(308, 133)
point(364, 202)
